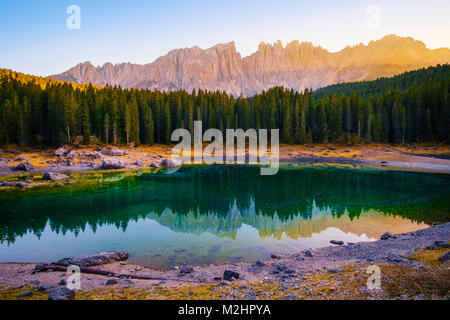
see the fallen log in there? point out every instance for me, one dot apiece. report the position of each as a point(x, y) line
point(63, 268)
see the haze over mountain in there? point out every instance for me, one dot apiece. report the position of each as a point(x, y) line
point(297, 66)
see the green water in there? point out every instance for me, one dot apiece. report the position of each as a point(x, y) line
point(212, 214)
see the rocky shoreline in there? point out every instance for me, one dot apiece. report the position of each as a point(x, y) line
point(293, 272)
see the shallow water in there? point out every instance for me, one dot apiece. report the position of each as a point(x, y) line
point(212, 214)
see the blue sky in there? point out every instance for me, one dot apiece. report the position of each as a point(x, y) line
point(35, 38)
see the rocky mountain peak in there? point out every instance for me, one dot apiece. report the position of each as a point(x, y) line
point(298, 65)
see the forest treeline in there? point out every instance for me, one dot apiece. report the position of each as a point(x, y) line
point(37, 111)
point(402, 82)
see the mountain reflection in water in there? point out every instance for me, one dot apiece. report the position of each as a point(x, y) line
point(232, 207)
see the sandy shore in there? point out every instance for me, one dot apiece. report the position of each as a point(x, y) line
point(340, 269)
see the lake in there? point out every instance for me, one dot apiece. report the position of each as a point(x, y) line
point(212, 214)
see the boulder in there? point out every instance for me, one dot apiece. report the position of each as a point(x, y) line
point(51, 176)
point(24, 166)
point(61, 152)
point(113, 164)
point(154, 165)
point(336, 242)
point(62, 294)
point(228, 275)
point(113, 152)
point(72, 154)
point(171, 163)
point(186, 270)
point(111, 282)
point(386, 236)
point(94, 259)
point(95, 155)
point(138, 163)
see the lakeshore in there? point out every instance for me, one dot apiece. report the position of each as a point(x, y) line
point(411, 267)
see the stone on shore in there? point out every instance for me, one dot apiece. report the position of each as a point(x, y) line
point(445, 257)
point(386, 236)
point(114, 152)
point(154, 165)
point(94, 259)
point(24, 166)
point(60, 152)
point(52, 176)
point(171, 163)
point(113, 164)
point(336, 242)
point(229, 275)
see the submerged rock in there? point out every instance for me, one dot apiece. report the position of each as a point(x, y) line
point(113, 164)
point(51, 176)
point(94, 259)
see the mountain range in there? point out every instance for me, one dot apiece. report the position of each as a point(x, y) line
point(298, 65)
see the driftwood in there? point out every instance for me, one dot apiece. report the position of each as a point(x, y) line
point(62, 268)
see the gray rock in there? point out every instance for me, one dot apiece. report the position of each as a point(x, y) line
point(439, 245)
point(44, 288)
point(13, 151)
point(114, 152)
point(308, 253)
point(95, 155)
point(72, 154)
point(171, 163)
point(186, 270)
point(154, 165)
point(94, 259)
point(111, 282)
point(274, 256)
point(229, 275)
point(51, 176)
point(62, 282)
point(334, 270)
point(24, 166)
point(113, 164)
point(259, 264)
point(139, 163)
point(22, 185)
point(445, 257)
point(386, 236)
point(62, 294)
point(26, 294)
point(61, 152)
point(337, 242)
